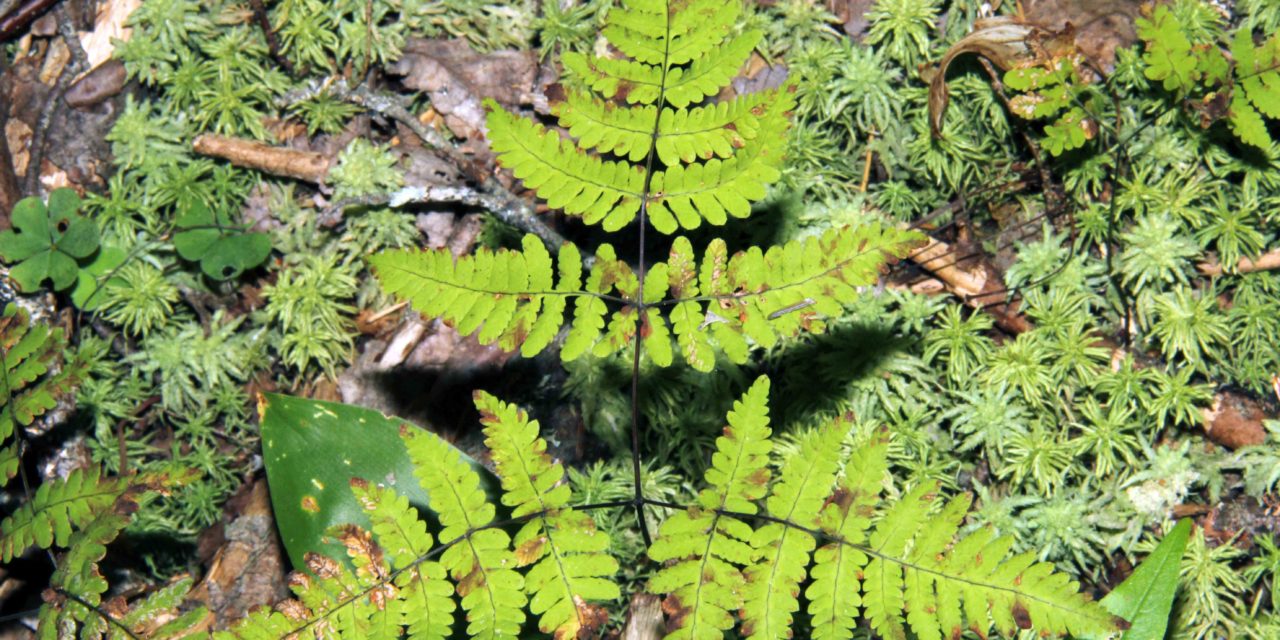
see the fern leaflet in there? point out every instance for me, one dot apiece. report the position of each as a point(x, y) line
point(569, 557)
point(57, 509)
point(425, 605)
point(480, 562)
point(704, 548)
point(729, 303)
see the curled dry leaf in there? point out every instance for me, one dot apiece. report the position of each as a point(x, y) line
point(1005, 41)
point(1045, 29)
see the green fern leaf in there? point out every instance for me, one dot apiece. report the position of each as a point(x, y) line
point(642, 31)
point(882, 585)
point(509, 292)
point(754, 297)
point(705, 548)
point(1168, 55)
point(569, 557)
point(717, 158)
point(425, 604)
point(835, 594)
point(582, 185)
point(58, 508)
point(773, 583)
point(78, 576)
point(27, 390)
point(1258, 78)
point(479, 557)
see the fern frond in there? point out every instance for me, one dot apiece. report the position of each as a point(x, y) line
point(641, 30)
point(704, 549)
point(77, 584)
point(58, 508)
point(731, 303)
point(773, 583)
point(1258, 75)
point(27, 389)
point(569, 557)
point(479, 558)
point(338, 599)
point(941, 581)
point(718, 157)
point(424, 604)
point(603, 192)
point(754, 297)
point(835, 594)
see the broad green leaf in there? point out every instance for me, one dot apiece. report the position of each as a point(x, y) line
point(1145, 598)
point(223, 250)
point(312, 450)
point(47, 242)
point(88, 293)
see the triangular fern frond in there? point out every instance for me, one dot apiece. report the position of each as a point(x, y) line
point(480, 561)
point(705, 549)
point(570, 562)
point(716, 158)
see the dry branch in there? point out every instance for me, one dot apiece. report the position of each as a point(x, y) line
point(292, 163)
point(1264, 262)
point(979, 287)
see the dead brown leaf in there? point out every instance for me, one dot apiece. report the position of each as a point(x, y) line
point(457, 79)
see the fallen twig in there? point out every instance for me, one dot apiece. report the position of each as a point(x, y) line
point(503, 204)
point(273, 43)
point(291, 163)
point(1267, 261)
point(17, 18)
point(979, 287)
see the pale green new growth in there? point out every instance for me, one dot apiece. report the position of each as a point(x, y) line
point(912, 564)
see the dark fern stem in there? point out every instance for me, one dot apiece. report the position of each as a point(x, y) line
point(640, 306)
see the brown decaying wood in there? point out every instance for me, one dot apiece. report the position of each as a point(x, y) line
point(303, 165)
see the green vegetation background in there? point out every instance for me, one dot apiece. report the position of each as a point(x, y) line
point(1079, 448)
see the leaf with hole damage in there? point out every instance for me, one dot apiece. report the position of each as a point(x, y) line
point(223, 250)
point(48, 242)
point(312, 449)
